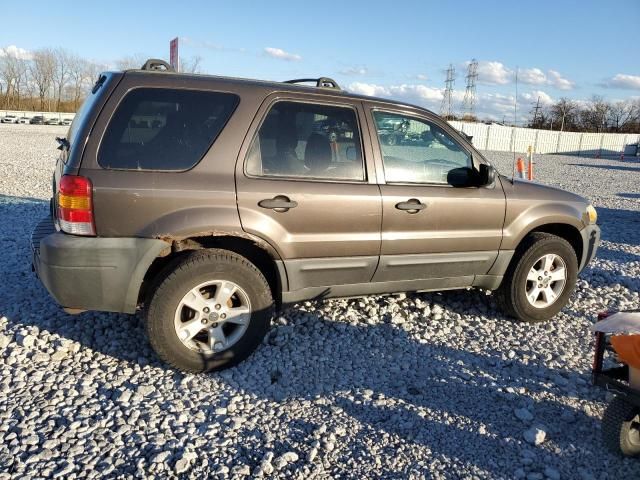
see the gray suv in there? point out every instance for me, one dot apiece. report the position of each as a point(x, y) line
point(209, 202)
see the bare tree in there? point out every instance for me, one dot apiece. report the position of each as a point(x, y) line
point(13, 72)
point(191, 65)
point(622, 114)
point(564, 114)
point(61, 75)
point(43, 70)
point(78, 73)
point(131, 61)
point(595, 115)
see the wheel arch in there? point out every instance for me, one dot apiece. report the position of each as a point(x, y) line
point(563, 230)
point(264, 257)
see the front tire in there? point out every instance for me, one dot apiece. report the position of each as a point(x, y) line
point(621, 427)
point(540, 278)
point(210, 312)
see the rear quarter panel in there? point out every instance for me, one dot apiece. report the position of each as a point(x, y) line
point(202, 200)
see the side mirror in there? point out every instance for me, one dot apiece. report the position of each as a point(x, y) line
point(487, 174)
point(462, 177)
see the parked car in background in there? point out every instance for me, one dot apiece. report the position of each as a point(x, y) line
point(52, 121)
point(37, 120)
point(9, 119)
point(247, 195)
point(23, 120)
point(65, 121)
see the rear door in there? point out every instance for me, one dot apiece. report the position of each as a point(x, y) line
point(432, 230)
point(306, 185)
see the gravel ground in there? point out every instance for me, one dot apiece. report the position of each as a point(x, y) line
point(404, 386)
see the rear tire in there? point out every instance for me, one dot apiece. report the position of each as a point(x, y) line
point(621, 427)
point(203, 346)
point(517, 288)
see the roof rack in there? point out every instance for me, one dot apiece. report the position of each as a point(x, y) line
point(322, 82)
point(156, 64)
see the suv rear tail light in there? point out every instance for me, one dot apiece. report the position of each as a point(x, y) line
point(75, 205)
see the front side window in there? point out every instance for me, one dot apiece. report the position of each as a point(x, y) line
point(417, 151)
point(164, 129)
point(307, 141)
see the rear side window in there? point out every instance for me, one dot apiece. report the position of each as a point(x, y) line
point(164, 129)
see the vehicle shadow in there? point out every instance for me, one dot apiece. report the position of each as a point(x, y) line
point(619, 225)
point(607, 167)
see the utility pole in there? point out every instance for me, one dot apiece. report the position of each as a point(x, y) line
point(445, 107)
point(536, 109)
point(469, 101)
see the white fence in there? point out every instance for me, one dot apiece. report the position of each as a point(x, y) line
point(510, 139)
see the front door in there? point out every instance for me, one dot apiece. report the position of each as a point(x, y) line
point(307, 187)
point(432, 230)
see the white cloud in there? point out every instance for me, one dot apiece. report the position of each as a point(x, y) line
point(558, 81)
point(355, 71)
point(494, 106)
point(532, 97)
point(16, 52)
point(418, 94)
point(621, 80)
point(494, 73)
point(281, 54)
point(532, 76)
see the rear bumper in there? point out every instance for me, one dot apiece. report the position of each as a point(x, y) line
point(92, 273)
point(590, 242)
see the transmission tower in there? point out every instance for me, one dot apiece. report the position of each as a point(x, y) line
point(445, 108)
point(469, 102)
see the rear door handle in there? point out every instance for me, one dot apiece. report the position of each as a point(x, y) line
point(279, 203)
point(411, 206)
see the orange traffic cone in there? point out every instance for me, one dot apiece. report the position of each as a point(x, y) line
point(530, 170)
point(520, 168)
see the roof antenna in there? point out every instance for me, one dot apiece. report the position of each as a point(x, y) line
point(515, 122)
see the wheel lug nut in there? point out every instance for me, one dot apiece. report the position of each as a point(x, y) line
point(204, 321)
point(206, 310)
point(218, 307)
point(539, 279)
point(223, 316)
point(214, 325)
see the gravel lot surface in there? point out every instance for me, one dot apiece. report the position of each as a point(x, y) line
point(404, 386)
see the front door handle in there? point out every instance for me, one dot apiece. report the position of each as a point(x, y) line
point(411, 206)
point(279, 203)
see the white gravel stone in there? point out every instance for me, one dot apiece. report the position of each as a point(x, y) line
point(5, 340)
point(535, 435)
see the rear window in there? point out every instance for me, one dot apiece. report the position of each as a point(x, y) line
point(164, 129)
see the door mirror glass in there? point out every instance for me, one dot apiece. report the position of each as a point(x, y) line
point(487, 174)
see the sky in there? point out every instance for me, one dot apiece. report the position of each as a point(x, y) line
point(400, 50)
